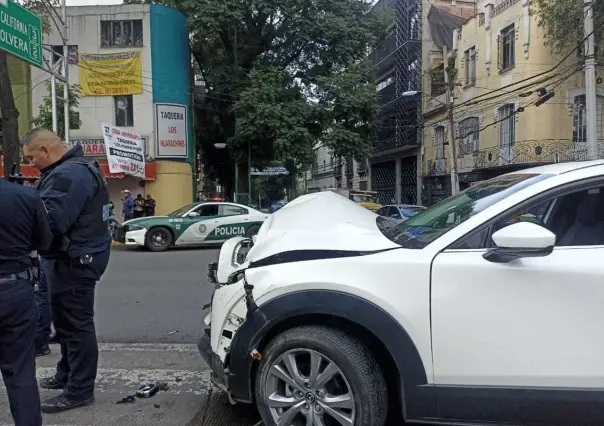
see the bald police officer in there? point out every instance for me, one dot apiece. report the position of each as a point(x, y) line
point(75, 194)
point(24, 227)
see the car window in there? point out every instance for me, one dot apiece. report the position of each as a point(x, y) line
point(207, 210)
point(381, 211)
point(432, 223)
point(227, 210)
point(410, 212)
point(576, 219)
point(394, 212)
point(182, 210)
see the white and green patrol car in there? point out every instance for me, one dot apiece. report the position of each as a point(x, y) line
point(205, 223)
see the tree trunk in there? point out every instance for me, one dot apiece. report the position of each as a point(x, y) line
point(10, 118)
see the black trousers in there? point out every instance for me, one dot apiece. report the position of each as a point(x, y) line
point(18, 318)
point(72, 306)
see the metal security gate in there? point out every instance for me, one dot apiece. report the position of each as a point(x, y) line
point(383, 180)
point(409, 180)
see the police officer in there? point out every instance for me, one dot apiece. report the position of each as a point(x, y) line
point(75, 194)
point(23, 227)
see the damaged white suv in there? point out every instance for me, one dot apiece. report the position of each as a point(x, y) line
point(486, 308)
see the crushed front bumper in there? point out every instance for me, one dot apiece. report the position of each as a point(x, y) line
point(218, 376)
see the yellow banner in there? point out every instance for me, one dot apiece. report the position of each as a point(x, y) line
point(111, 74)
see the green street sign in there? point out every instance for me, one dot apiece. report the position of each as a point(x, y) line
point(21, 33)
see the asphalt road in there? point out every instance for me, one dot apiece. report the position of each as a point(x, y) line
point(148, 319)
point(153, 297)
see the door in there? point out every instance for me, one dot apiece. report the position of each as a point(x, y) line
point(198, 224)
point(521, 342)
point(234, 221)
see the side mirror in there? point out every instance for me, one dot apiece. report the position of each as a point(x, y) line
point(520, 240)
point(193, 214)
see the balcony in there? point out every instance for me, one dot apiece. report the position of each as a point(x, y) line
point(533, 152)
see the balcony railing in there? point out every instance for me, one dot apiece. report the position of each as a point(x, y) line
point(534, 152)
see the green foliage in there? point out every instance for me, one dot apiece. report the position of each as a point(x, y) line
point(44, 118)
point(283, 75)
point(562, 23)
point(270, 188)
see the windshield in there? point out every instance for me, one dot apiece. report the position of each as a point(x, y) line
point(420, 230)
point(182, 210)
point(361, 198)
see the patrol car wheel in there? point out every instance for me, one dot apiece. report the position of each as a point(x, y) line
point(252, 230)
point(158, 239)
point(315, 375)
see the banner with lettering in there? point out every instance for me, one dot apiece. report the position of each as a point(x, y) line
point(125, 152)
point(110, 74)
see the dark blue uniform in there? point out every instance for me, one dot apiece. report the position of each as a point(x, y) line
point(76, 198)
point(23, 227)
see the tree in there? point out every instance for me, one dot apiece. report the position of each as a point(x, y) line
point(8, 109)
point(44, 118)
point(562, 23)
point(271, 188)
point(282, 75)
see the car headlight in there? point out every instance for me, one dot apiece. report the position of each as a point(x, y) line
point(240, 252)
point(135, 228)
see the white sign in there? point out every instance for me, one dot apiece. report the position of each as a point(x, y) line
point(171, 131)
point(96, 147)
point(4, 3)
point(125, 153)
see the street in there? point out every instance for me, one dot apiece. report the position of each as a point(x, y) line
point(148, 317)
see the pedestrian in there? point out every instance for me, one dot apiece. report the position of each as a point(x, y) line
point(76, 197)
point(24, 227)
point(128, 205)
point(139, 206)
point(150, 206)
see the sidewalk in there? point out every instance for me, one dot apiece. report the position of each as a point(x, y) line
point(123, 367)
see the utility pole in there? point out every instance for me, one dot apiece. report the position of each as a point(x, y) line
point(53, 93)
point(65, 71)
point(590, 82)
point(236, 71)
point(452, 138)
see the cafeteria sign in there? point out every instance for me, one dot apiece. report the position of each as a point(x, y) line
point(125, 153)
point(111, 74)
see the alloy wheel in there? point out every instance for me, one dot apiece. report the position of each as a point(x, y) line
point(306, 388)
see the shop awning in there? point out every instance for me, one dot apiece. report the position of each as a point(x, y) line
point(30, 172)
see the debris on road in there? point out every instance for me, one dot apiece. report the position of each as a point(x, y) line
point(173, 332)
point(127, 400)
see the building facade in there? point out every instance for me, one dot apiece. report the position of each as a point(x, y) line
point(133, 66)
point(20, 78)
point(502, 122)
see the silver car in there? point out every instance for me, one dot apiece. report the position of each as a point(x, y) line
point(400, 211)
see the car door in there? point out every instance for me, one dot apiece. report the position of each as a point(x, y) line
point(233, 222)
point(198, 224)
point(521, 342)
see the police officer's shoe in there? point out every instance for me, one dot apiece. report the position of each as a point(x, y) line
point(52, 383)
point(60, 403)
point(43, 350)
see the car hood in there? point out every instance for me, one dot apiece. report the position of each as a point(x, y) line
point(319, 221)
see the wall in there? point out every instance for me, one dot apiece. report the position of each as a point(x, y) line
point(85, 31)
point(171, 77)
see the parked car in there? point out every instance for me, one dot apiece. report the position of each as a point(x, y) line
point(483, 309)
point(276, 206)
point(204, 223)
point(400, 211)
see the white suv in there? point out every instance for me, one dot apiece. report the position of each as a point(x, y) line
point(486, 308)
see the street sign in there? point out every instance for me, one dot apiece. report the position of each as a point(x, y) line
point(21, 33)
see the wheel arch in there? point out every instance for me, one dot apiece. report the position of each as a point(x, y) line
point(387, 340)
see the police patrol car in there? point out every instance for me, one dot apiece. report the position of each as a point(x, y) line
point(204, 223)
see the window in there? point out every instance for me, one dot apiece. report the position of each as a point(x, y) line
point(419, 231)
point(506, 45)
point(122, 33)
point(361, 167)
point(439, 142)
point(207, 210)
point(470, 64)
point(227, 210)
point(124, 111)
point(393, 212)
point(72, 54)
point(580, 116)
point(469, 130)
point(574, 218)
point(507, 131)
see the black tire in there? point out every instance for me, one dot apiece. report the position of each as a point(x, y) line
point(360, 370)
point(158, 239)
point(252, 230)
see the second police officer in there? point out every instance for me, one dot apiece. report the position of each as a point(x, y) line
point(76, 197)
